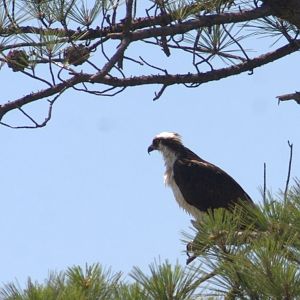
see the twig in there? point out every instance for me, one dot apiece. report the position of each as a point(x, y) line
point(114, 16)
point(51, 69)
point(113, 60)
point(154, 67)
point(158, 95)
point(289, 171)
point(128, 18)
point(294, 96)
point(265, 183)
point(36, 124)
point(28, 116)
point(125, 41)
point(163, 40)
point(11, 18)
point(196, 49)
point(103, 93)
point(37, 78)
point(236, 42)
point(133, 60)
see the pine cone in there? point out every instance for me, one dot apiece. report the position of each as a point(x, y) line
point(17, 60)
point(76, 55)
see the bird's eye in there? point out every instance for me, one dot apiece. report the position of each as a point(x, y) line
point(155, 142)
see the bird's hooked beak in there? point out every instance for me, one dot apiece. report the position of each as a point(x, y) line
point(151, 148)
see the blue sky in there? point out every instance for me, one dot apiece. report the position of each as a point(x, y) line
point(84, 189)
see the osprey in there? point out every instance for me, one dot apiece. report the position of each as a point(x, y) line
point(197, 184)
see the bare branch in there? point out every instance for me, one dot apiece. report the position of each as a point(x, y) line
point(128, 18)
point(158, 95)
point(265, 184)
point(10, 17)
point(28, 116)
point(289, 171)
point(36, 124)
point(294, 96)
point(154, 67)
point(113, 60)
point(37, 78)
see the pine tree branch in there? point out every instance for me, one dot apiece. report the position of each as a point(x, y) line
point(202, 21)
point(147, 23)
point(166, 79)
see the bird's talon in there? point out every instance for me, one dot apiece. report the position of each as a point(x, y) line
point(190, 259)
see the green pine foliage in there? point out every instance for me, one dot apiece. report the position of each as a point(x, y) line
point(167, 282)
point(250, 253)
point(253, 253)
point(75, 283)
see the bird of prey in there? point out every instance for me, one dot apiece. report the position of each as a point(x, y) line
point(198, 185)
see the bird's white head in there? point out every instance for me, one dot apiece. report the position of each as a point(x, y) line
point(165, 139)
point(169, 135)
point(168, 143)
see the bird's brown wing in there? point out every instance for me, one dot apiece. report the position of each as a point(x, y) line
point(206, 186)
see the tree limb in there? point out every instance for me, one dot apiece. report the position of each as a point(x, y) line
point(166, 79)
point(142, 23)
point(202, 21)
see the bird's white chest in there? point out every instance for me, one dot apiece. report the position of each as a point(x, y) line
point(169, 180)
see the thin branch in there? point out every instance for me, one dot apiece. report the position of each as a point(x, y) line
point(133, 60)
point(28, 116)
point(11, 18)
point(152, 66)
point(235, 41)
point(37, 78)
point(103, 93)
point(289, 171)
point(36, 124)
point(196, 49)
point(158, 95)
point(294, 96)
point(128, 18)
point(265, 184)
point(93, 65)
point(51, 69)
point(113, 60)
